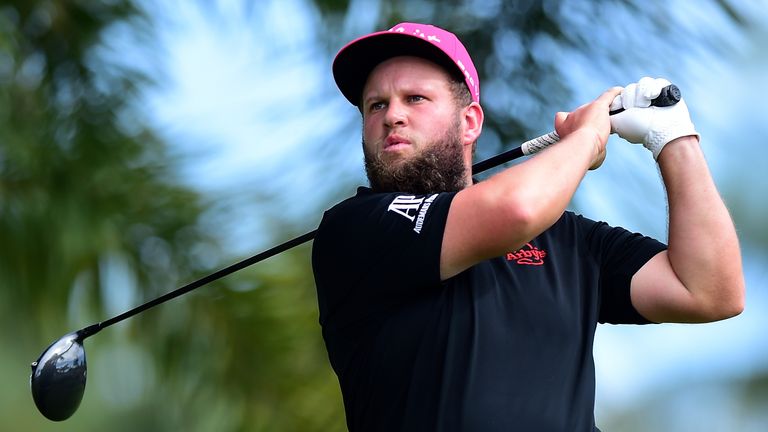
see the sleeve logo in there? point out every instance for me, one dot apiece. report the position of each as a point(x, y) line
point(412, 208)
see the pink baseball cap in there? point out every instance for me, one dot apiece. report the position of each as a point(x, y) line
point(358, 58)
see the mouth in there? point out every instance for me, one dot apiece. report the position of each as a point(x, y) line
point(395, 143)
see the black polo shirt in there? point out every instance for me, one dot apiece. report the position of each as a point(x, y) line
point(505, 345)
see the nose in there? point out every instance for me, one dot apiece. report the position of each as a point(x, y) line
point(395, 114)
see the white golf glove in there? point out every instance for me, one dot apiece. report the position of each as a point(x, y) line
point(651, 126)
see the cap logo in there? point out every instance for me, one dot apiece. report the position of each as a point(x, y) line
point(417, 32)
point(466, 74)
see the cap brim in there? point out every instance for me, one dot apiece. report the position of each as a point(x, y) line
point(355, 61)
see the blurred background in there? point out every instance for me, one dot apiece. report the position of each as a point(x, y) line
point(146, 144)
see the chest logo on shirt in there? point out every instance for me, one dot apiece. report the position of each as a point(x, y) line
point(528, 255)
point(412, 208)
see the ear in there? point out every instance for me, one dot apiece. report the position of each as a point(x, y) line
point(473, 123)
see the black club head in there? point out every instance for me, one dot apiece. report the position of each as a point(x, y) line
point(58, 378)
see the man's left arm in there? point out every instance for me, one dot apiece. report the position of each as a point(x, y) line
point(699, 278)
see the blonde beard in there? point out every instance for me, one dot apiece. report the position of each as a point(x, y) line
point(439, 167)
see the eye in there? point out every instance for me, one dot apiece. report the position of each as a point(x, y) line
point(376, 106)
point(415, 98)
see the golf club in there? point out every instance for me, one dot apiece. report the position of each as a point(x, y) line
point(59, 374)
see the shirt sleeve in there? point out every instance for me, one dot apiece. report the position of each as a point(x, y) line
point(620, 254)
point(374, 251)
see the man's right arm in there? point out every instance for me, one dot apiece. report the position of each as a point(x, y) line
point(509, 209)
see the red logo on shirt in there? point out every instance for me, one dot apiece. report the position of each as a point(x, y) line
point(528, 255)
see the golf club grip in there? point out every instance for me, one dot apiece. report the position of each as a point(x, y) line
point(668, 96)
point(526, 149)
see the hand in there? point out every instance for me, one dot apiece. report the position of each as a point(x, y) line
point(651, 126)
point(592, 117)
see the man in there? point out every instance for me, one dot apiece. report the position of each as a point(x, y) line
point(452, 306)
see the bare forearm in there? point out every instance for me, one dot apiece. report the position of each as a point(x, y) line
point(703, 246)
point(516, 205)
point(542, 187)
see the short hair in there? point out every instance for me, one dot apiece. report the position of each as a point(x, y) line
point(460, 92)
point(462, 97)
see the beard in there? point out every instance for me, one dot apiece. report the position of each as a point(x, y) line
point(438, 167)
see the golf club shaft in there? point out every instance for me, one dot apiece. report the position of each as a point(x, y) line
point(527, 148)
point(670, 95)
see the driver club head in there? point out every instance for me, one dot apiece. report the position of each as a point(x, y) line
point(58, 378)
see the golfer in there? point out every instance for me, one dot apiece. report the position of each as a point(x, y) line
point(453, 305)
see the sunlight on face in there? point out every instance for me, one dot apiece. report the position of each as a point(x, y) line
point(406, 103)
point(412, 131)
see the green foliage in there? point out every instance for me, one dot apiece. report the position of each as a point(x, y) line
point(91, 211)
point(76, 184)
